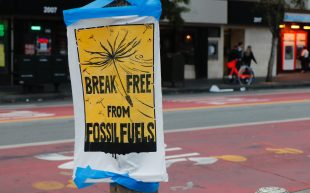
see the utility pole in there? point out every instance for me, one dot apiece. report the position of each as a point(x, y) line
point(115, 188)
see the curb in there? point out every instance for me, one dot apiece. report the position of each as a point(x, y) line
point(22, 98)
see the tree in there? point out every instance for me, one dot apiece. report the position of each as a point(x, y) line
point(274, 13)
point(172, 10)
point(299, 4)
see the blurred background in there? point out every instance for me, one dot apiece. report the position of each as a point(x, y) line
point(196, 38)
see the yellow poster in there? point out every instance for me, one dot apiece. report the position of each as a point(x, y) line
point(117, 74)
point(2, 56)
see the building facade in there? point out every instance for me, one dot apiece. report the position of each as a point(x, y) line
point(33, 41)
point(245, 23)
point(225, 23)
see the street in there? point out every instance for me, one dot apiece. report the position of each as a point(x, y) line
point(225, 142)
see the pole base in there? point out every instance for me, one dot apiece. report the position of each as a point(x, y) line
point(121, 189)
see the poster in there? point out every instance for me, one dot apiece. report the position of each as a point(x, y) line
point(114, 63)
point(117, 69)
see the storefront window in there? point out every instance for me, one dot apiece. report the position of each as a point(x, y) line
point(35, 38)
point(288, 52)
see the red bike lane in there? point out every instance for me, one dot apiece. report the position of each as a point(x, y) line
point(231, 159)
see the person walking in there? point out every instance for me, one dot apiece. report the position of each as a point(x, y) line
point(248, 56)
point(304, 59)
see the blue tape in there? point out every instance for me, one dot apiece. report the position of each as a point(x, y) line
point(82, 174)
point(95, 10)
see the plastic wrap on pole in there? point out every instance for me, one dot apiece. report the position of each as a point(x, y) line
point(96, 10)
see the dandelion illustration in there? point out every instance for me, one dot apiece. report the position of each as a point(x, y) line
point(85, 71)
point(147, 27)
point(100, 102)
point(114, 54)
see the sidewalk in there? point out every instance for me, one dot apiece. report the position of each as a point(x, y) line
point(14, 94)
point(284, 80)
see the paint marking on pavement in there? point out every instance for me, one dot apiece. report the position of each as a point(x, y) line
point(48, 185)
point(71, 184)
point(173, 149)
point(232, 158)
point(285, 151)
point(182, 155)
point(23, 115)
point(237, 105)
point(54, 157)
point(172, 161)
point(203, 160)
point(37, 119)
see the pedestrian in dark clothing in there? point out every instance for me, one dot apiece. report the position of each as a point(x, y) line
point(240, 55)
point(304, 59)
point(240, 50)
point(248, 56)
point(236, 53)
point(233, 54)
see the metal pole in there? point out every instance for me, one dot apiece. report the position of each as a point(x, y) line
point(115, 188)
